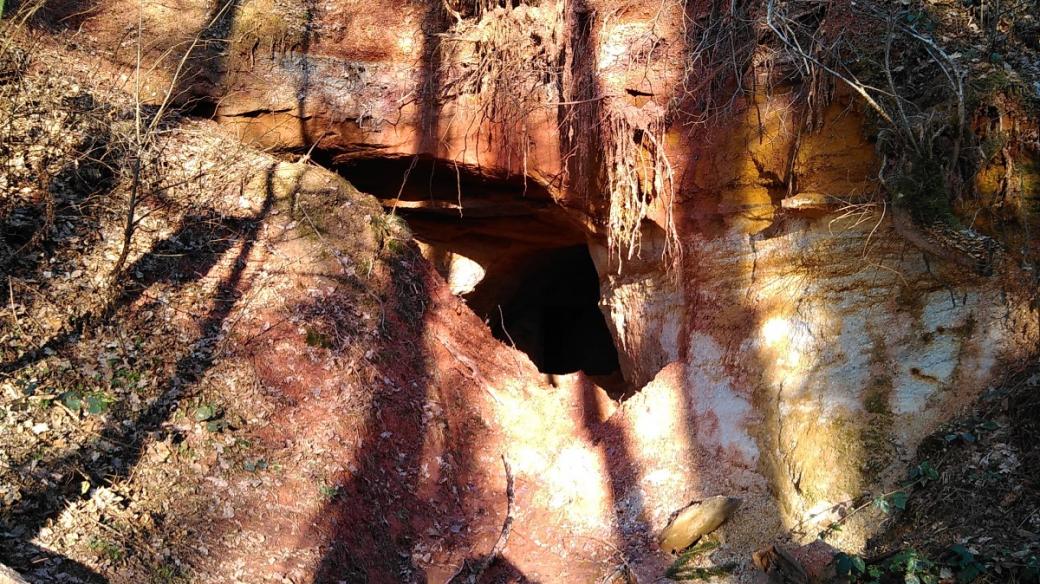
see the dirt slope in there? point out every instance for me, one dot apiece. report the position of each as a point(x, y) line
point(281, 389)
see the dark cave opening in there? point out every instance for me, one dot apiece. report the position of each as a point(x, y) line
point(554, 315)
point(518, 259)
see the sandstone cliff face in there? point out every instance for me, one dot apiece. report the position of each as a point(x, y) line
point(793, 345)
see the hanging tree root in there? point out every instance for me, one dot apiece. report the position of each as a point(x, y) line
point(515, 62)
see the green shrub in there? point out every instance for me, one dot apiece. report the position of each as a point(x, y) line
point(921, 189)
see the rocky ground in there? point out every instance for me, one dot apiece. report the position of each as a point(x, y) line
point(267, 383)
point(974, 510)
point(276, 387)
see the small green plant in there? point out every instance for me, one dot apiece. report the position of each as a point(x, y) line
point(165, 574)
point(97, 403)
point(256, 465)
point(395, 246)
point(1031, 571)
point(212, 416)
point(107, 549)
point(94, 403)
point(391, 232)
point(328, 492)
point(125, 378)
point(965, 437)
point(849, 565)
point(318, 339)
point(921, 189)
point(365, 266)
point(921, 475)
point(205, 412)
point(886, 502)
point(965, 564)
point(906, 566)
point(898, 499)
point(910, 567)
point(682, 569)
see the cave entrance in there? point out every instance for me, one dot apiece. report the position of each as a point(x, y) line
point(554, 315)
point(517, 258)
